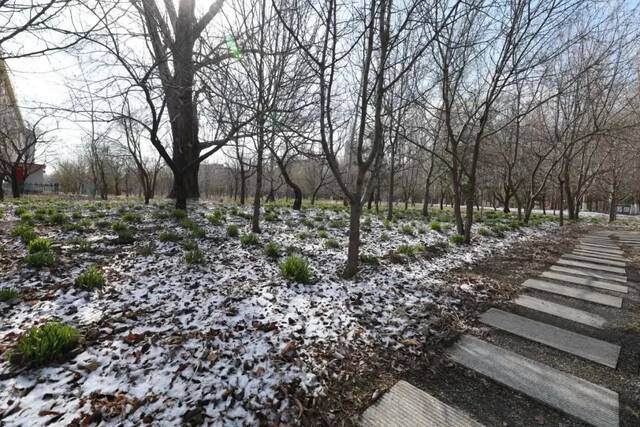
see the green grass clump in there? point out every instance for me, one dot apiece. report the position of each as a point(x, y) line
point(272, 250)
point(90, 278)
point(322, 234)
point(250, 239)
point(8, 294)
point(407, 229)
point(456, 239)
point(25, 232)
point(295, 268)
point(232, 230)
point(179, 214)
point(131, 217)
point(271, 216)
point(119, 226)
point(146, 249)
point(125, 237)
point(50, 342)
point(58, 218)
point(409, 249)
point(39, 244)
point(189, 245)
point(369, 259)
point(385, 237)
point(168, 236)
point(435, 226)
point(19, 211)
point(216, 218)
point(194, 257)
point(499, 229)
point(40, 259)
point(331, 244)
point(483, 231)
point(26, 218)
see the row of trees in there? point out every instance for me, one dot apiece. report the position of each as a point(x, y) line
point(519, 102)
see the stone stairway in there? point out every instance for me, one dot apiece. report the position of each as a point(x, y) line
point(584, 288)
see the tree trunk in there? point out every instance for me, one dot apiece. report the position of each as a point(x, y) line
point(561, 203)
point(15, 187)
point(351, 267)
point(255, 219)
point(425, 204)
point(392, 176)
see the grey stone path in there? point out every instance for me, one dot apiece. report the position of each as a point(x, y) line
point(408, 406)
point(597, 263)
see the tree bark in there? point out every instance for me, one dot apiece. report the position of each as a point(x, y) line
point(351, 267)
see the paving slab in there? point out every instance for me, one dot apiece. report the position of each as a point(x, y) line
point(573, 292)
point(592, 349)
point(562, 311)
point(599, 255)
point(408, 406)
point(592, 266)
point(586, 281)
point(600, 250)
point(590, 273)
point(595, 259)
point(586, 401)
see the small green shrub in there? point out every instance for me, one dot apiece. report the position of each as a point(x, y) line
point(26, 218)
point(58, 218)
point(456, 239)
point(331, 244)
point(76, 215)
point(90, 278)
point(216, 218)
point(322, 234)
point(19, 211)
point(119, 226)
point(50, 342)
point(369, 259)
point(409, 249)
point(40, 259)
point(272, 250)
point(435, 226)
point(146, 249)
point(483, 231)
point(179, 214)
point(407, 229)
point(131, 217)
point(25, 232)
point(295, 268)
point(232, 230)
point(39, 244)
point(271, 216)
point(8, 294)
point(168, 236)
point(194, 257)
point(189, 245)
point(250, 239)
point(387, 224)
point(125, 237)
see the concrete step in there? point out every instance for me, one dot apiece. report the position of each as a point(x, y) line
point(599, 255)
point(589, 273)
point(592, 349)
point(586, 281)
point(407, 406)
point(595, 259)
point(562, 311)
point(591, 266)
point(586, 401)
point(573, 292)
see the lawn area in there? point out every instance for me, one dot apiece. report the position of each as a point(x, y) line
point(186, 317)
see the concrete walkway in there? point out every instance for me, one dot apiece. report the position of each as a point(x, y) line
point(594, 275)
